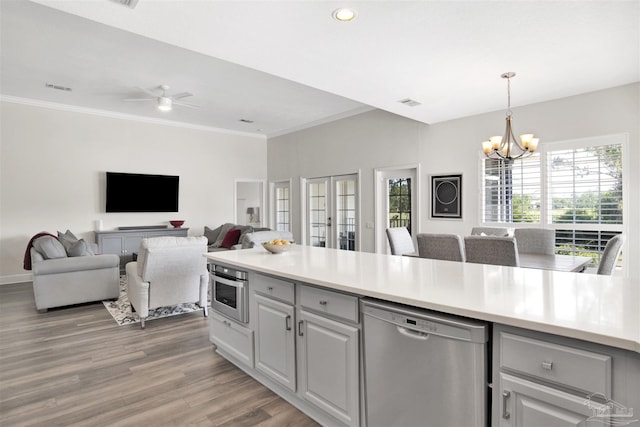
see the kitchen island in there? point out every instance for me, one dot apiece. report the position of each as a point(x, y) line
point(581, 320)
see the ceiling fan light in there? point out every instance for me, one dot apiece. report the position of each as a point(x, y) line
point(164, 104)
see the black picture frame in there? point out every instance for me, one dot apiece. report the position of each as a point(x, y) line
point(446, 196)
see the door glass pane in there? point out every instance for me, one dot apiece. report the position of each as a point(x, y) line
point(282, 207)
point(346, 214)
point(400, 203)
point(317, 205)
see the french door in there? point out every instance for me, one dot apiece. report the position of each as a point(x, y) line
point(332, 212)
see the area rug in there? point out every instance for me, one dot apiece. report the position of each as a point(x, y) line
point(121, 312)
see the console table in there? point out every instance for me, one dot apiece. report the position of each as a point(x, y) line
point(125, 242)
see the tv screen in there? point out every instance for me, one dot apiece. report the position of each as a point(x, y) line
point(130, 192)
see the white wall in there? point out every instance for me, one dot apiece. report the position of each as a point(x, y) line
point(363, 142)
point(380, 139)
point(53, 164)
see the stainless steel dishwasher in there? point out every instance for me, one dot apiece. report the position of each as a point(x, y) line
point(422, 368)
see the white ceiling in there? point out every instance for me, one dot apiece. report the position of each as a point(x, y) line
point(287, 65)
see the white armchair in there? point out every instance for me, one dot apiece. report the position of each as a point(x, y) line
point(168, 271)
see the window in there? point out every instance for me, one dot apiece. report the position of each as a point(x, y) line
point(574, 187)
point(282, 206)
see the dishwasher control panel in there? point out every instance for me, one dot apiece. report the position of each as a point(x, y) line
point(414, 322)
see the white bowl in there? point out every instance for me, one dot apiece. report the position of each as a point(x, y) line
point(276, 249)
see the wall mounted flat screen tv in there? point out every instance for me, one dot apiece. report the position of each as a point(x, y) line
point(131, 192)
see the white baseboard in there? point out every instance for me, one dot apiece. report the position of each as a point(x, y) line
point(16, 278)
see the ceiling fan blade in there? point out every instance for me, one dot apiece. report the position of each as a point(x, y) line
point(185, 104)
point(181, 95)
point(150, 92)
point(139, 99)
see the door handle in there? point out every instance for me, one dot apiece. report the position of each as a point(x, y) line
point(287, 322)
point(505, 397)
point(328, 221)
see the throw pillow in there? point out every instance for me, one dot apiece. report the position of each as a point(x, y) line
point(231, 238)
point(223, 232)
point(211, 235)
point(49, 247)
point(79, 248)
point(67, 239)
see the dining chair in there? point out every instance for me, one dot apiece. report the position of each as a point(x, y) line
point(400, 241)
point(448, 247)
point(610, 255)
point(535, 240)
point(492, 250)
point(490, 231)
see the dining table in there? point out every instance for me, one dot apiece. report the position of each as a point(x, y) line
point(556, 262)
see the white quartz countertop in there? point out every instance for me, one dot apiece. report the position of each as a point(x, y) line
point(600, 309)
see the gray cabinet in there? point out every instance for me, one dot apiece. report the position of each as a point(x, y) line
point(275, 341)
point(547, 380)
point(125, 242)
point(231, 338)
point(328, 369)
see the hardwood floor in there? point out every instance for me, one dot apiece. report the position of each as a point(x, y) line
point(76, 366)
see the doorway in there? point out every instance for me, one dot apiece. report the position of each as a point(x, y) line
point(397, 202)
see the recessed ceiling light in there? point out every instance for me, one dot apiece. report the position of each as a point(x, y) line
point(344, 14)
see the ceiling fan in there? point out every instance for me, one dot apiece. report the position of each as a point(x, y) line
point(165, 101)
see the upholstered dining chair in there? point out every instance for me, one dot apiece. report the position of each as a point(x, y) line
point(610, 255)
point(490, 231)
point(492, 250)
point(400, 241)
point(169, 271)
point(448, 247)
point(535, 240)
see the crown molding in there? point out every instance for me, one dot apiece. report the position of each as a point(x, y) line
point(122, 116)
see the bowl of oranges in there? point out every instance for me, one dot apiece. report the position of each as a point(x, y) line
point(277, 246)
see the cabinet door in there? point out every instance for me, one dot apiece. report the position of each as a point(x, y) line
point(275, 340)
point(328, 369)
point(110, 245)
point(527, 404)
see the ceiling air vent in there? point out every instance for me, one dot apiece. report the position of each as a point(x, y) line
point(57, 87)
point(409, 102)
point(246, 121)
point(129, 3)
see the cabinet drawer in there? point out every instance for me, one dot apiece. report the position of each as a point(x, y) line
point(579, 369)
point(333, 303)
point(275, 288)
point(232, 338)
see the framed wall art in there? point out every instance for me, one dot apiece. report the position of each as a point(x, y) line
point(446, 196)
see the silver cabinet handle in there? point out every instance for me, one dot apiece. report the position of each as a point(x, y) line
point(287, 322)
point(505, 397)
point(270, 288)
point(547, 365)
point(300, 324)
point(323, 303)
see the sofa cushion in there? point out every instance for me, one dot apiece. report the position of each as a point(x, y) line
point(231, 238)
point(223, 232)
point(49, 247)
point(211, 235)
point(79, 248)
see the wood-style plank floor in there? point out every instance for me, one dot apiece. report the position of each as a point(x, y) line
point(76, 366)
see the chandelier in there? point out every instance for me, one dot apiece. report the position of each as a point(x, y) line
point(507, 147)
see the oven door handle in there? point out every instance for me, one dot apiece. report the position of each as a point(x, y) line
point(235, 283)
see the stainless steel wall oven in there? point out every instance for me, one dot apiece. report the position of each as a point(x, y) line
point(230, 295)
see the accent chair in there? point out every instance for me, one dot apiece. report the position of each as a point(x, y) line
point(448, 247)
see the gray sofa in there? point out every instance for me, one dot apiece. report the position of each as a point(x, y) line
point(248, 237)
point(60, 279)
